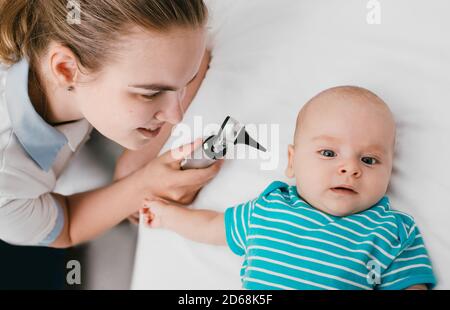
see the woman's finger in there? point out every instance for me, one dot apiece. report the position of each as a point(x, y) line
point(201, 176)
point(180, 153)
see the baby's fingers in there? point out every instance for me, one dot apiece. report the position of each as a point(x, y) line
point(147, 218)
point(150, 217)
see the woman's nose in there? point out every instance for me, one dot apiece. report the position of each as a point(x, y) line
point(172, 110)
point(351, 168)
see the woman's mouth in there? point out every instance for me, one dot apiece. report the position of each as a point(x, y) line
point(149, 133)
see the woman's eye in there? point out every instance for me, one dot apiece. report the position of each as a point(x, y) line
point(369, 160)
point(150, 97)
point(328, 153)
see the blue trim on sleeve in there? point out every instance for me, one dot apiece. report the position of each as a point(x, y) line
point(56, 231)
point(428, 280)
point(229, 225)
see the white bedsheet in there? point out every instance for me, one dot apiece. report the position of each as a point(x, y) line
point(269, 58)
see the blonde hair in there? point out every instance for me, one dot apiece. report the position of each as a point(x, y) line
point(27, 27)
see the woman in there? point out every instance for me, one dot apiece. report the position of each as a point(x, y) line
point(127, 68)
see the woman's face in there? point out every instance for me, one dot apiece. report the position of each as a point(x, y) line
point(141, 90)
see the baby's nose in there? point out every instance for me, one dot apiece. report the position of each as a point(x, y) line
point(353, 170)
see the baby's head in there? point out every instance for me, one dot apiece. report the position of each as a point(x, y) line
point(345, 137)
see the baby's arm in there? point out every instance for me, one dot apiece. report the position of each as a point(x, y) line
point(203, 226)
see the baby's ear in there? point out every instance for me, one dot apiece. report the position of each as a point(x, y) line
point(290, 173)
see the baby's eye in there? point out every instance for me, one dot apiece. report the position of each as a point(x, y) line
point(328, 153)
point(369, 160)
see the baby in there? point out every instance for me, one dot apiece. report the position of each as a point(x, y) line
point(335, 229)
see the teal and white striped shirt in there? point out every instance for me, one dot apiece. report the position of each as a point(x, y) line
point(288, 244)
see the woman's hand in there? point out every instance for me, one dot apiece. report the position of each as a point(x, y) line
point(162, 178)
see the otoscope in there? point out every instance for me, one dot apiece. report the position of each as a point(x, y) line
point(215, 147)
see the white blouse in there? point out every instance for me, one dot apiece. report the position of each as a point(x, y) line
point(33, 155)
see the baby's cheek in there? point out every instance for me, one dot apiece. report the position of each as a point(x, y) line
point(311, 178)
point(309, 185)
point(375, 189)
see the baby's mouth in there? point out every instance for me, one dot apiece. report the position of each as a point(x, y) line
point(344, 190)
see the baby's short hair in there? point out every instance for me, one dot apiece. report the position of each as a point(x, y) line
point(347, 91)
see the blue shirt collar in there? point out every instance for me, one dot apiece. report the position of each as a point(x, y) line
point(40, 140)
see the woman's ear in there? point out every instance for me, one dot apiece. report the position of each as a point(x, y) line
point(63, 66)
point(290, 173)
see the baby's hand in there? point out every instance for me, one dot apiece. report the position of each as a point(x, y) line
point(153, 212)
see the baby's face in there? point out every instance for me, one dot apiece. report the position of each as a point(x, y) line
point(344, 144)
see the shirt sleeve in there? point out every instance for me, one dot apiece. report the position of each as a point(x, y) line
point(411, 267)
point(237, 222)
point(32, 222)
point(29, 214)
